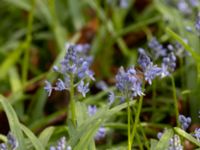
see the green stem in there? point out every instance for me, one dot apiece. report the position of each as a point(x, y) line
point(27, 44)
point(72, 101)
point(137, 118)
point(175, 100)
point(129, 125)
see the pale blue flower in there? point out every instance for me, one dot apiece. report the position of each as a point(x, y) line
point(83, 89)
point(184, 121)
point(197, 134)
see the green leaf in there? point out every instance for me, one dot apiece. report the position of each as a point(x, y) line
point(13, 122)
point(34, 140)
point(22, 4)
point(187, 136)
point(45, 135)
point(10, 60)
point(164, 141)
point(153, 143)
point(14, 80)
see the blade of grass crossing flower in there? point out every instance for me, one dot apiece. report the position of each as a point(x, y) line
point(164, 141)
point(34, 140)
point(13, 122)
point(185, 45)
point(187, 136)
point(88, 137)
point(45, 135)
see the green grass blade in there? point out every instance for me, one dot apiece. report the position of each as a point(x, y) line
point(46, 134)
point(34, 140)
point(185, 45)
point(10, 60)
point(164, 141)
point(13, 122)
point(187, 136)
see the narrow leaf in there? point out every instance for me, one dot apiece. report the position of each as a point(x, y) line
point(187, 136)
point(34, 140)
point(13, 122)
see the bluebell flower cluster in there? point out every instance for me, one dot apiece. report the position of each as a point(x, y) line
point(197, 134)
point(170, 62)
point(175, 143)
point(167, 55)
point(157, 48)
point(11, 144)
point(61, 145)
point(74, 68)
point(150, 71)
point(92, 109)
point(184, 121)
point(128, 83)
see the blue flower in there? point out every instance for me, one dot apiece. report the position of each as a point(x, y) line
point(111, 97)
point(143, 59)
point(48, 87)
point(101, 85)
point(60, 85)
point(100, 133)
point(11, 144)
point(164, 71)
point(157, 48)
point(197, 134)
point(175, 143)
point(83, 89)
point(123, 3)
point(61, 145)
point(92, 109)
point(184, 121)
point(151, 72)
point(75, 65)
point(184, 7)
point(128, 83)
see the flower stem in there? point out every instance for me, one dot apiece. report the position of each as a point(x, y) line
point(129, 124)
point(175, 100)
point(72, 101)
point(136, 118)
